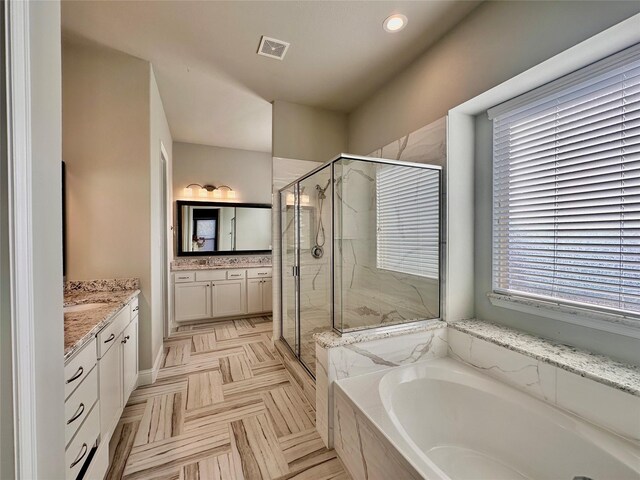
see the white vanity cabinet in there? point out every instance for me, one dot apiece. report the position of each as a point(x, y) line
point(259, 287)
point(99, 379)
point(192, 301)
point(221, 293)
point(228, 298)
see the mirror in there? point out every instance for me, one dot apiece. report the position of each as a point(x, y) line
point(210, 228)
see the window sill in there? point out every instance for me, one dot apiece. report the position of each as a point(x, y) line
point(584, 317)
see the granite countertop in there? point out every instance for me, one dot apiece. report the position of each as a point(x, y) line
point(221, 262)
point(206, 266)
point(599, 368)
point(331, 339)
point(81, 327)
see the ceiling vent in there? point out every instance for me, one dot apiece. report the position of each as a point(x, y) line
point(272, 48)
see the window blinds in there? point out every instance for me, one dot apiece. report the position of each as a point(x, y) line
point(407, 214)
point(566, 189)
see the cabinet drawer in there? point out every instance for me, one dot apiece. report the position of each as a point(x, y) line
point(79, 404)
point(258, 272)
point(78, 450)
point(235, 274)
point(133, 305)
point(79, 367)
point(206, 275)
point(108, 335)
point(184, 277)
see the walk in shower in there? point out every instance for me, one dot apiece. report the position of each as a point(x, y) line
point(360, 249)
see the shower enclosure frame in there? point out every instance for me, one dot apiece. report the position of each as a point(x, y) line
point(295, 186)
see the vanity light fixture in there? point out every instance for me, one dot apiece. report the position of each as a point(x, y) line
point(203, 190)
point(395, 23)
point(229, 193)
point(207, 191)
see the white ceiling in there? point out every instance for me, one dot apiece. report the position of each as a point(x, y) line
point(217, 91)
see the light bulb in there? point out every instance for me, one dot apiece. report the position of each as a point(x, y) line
point(395, 23)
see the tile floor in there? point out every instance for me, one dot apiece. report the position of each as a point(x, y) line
point(221, 408)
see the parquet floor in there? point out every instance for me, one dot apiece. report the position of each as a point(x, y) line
point(222, 408)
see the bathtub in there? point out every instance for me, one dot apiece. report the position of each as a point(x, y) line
point(449, 421)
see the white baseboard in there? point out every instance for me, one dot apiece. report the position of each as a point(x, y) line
point(147, 377)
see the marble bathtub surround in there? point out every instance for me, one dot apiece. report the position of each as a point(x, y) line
point(221, 261)
point(331, 339)
point(102, 285)
point(366, 353)
point(596, 367)
point(80, 327)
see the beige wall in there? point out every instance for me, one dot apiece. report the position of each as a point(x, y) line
point(495, 42)
point(113, 122)
point(246, 171)
point(307, 133)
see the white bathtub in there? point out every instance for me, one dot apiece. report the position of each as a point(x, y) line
point(451, 422)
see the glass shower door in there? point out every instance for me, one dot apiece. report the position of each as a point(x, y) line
point(289, 226)
point(315, 298)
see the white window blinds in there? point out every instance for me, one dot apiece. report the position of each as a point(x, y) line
point(566, 191)
point(407, 215)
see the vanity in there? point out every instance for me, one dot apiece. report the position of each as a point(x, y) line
point(220, 292)
point(101, 369)
point(236, 277)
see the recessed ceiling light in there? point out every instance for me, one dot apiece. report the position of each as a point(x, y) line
point(395, 23)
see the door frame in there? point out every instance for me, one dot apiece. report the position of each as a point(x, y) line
point(19, 190)
point(165, 230)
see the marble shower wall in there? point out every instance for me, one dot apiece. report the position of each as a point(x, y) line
point(369, 294)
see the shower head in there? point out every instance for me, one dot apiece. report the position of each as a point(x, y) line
point(321, 190)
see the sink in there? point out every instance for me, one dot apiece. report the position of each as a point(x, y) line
point(82, 307)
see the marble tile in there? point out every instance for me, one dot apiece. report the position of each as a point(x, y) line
point(614, 409)
point(525, 373)
point(366, 453)
point(598, 402)
point(362, 358)
point(356, 359)
point(599, 368)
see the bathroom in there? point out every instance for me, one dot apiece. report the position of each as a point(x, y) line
point(411, 253)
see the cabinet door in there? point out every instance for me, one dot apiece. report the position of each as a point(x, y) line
point(192, 301)
point(129, 359)
point(228, 298)
point(254, 295)
point(110, 386)
point(267, 295)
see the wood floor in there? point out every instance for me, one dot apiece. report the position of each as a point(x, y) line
point(222, 408)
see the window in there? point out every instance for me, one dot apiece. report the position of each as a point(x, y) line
point(566, 189)
point(407, 220)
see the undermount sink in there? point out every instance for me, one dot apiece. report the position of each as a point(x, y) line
point(82, 307)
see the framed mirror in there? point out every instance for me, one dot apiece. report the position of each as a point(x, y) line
point(214, 228)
